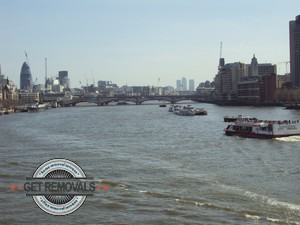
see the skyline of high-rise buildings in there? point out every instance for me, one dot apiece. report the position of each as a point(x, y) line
point(26, 81)
point(191, 85)
point(294, 29)
point(185, 85)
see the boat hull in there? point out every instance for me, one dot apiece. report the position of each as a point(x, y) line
point(37, 107)
point(255, 135)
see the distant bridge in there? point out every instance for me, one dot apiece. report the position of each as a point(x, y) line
point(138, 100)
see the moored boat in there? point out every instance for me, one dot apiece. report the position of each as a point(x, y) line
point(36, 107)
point(263, 129)
point(290, 105)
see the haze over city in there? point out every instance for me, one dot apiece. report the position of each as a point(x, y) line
point(138, 42)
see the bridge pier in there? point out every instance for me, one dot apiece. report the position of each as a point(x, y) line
point(173, 100)
point(137, 100)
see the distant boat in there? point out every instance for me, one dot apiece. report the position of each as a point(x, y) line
point(5, 111)
point(171, 108)
point(36, 107)
point(162, 105)
point(185, 111)
point(200, 112)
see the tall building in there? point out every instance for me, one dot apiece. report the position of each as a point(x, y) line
point(25, 78)
point(295, 51)
point(102, 84)
point(178, 85)
point(64, 79)
point(1, 75)
point(226, 81)
point(254, 67)
point(184, 84)
point(191, 85)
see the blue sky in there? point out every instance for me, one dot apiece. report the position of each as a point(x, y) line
point(135, 42)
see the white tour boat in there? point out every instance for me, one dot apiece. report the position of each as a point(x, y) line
point(263, 128)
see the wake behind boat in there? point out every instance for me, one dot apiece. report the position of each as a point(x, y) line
point(263, 129)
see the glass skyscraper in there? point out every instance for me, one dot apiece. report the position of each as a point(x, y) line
point(25, 78)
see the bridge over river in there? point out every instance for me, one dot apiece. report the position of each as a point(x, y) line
point(138, 100)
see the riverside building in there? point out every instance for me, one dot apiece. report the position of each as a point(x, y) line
point(295, 51)
point(231, 75)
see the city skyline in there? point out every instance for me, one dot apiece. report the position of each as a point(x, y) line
point(135, 43)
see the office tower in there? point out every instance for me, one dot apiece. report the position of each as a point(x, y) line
point(184, 84)
point(25, 78)
point(191, 85)
point(64, 79)
point(178, 85)
point(295, 51)
point(1, 75)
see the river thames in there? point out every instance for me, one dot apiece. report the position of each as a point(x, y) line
point(159, 168)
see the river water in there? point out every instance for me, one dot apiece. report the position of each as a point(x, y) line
point(160, 168)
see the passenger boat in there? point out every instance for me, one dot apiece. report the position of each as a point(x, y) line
point(230, 119)
point(185, 111)
point(36, 107)
point(200, 112)
point(171, 108)
point(235, 118)
point(263, 129)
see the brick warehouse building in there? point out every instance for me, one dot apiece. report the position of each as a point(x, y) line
point(255, 90)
